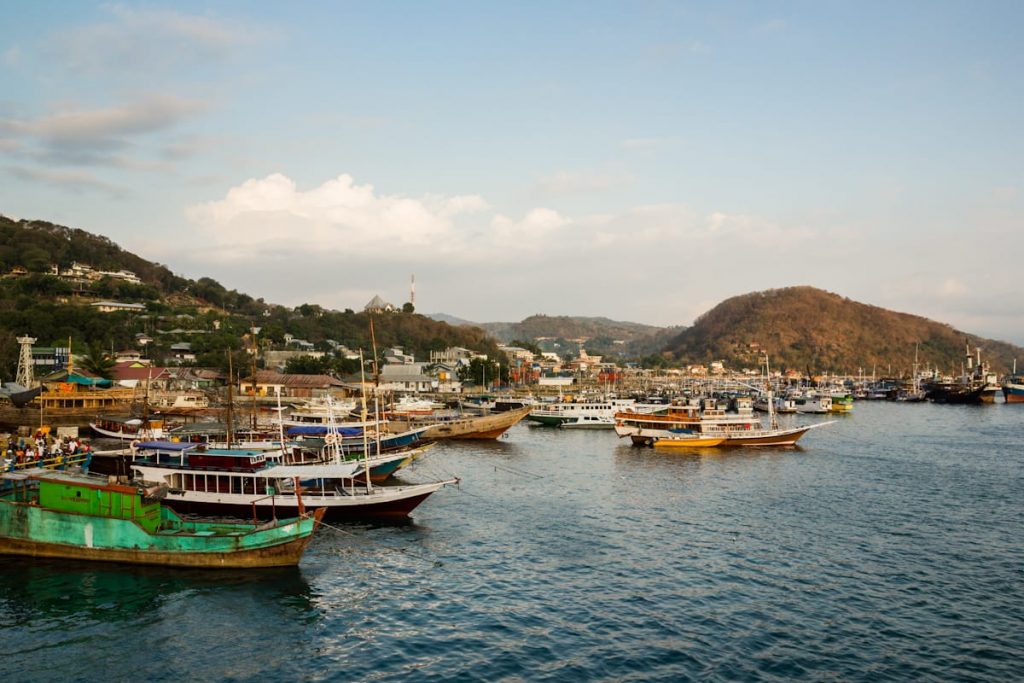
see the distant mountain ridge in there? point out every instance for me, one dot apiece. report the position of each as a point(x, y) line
point(603, 336)
point(814, 331)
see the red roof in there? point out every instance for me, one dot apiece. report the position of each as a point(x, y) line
point(129, 371)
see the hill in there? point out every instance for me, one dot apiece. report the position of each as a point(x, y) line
point(811, 330)
point(561, 333)
point(43, 295)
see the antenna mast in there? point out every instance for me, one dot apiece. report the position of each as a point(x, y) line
point(25, 377)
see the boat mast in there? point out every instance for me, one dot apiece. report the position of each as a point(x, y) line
point(366, 444)
point(230, 406)
point(772, 422)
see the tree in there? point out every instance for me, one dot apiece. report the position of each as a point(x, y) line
point(407, 307)
point(306, 365)
point(99, 362)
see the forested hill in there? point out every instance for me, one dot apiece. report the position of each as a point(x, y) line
point(36, 302)
point(815, 331)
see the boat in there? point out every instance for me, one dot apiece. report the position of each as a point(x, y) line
point(976, 385)
point(79, 516)
point(812, 402)
point(127, 429)
point(781, 404)
point(556, 414)
point(688, 441)
point(841, 401)
point(1013, 386)
point(705, 418)
point(462, 426)
point(241, 482)
point(590, 422)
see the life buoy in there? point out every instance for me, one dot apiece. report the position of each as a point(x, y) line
point(135, 445)
point(331, 439)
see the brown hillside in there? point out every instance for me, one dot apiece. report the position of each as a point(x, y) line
point(814, 331)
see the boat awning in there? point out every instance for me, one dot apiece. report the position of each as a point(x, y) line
point(320, 430)
point(165, 445)
point(329, 471)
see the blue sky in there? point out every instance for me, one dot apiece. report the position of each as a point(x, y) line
point(641, 161)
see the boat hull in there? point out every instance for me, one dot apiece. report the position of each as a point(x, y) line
point(36, 531)
point(477, 427)
point(385, 509)
point(1013, 393)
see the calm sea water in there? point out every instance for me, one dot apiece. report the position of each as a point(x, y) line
point(888, 547)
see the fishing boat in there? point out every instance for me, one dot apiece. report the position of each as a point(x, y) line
point(977, 384)
point(1013, 386)
point(590, 422)
point(705, 418)
point(85, 517)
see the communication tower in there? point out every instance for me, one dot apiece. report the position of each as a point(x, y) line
point(25, 377)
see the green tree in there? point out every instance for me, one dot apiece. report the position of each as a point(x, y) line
point(98, 362)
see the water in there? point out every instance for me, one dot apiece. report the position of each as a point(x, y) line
point(887, 547)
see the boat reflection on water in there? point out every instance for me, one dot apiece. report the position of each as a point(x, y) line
point(31, 589)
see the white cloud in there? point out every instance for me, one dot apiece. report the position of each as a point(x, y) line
point(339, 217)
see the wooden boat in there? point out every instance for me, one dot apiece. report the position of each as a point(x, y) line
point(84, 517)
point(456, 426)
point(128, 429)
point(688, 441)
point(704, 418)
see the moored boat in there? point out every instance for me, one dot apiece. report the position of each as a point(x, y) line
point(79, 516)
point(461, 426)
point(590, 422)
point(704, 418)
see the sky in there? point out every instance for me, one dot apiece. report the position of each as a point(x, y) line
point(641, 161)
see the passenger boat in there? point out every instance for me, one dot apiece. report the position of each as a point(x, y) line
point(128, 429)
point(704, 418)
point(556, 414)
point(590, 422)
point(234, 482)
point(812, 403)
point(85, 517)
point(781, 404)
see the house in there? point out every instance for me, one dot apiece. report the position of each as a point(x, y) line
point(133, 374)
point(128, 356)
point(182, 353)
point(269, 382)
point(407, 377)
point(395, 355)
point(378, 305)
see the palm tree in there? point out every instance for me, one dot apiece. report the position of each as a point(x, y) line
point(99, 362)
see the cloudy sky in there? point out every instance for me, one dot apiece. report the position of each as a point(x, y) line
point(637, 160)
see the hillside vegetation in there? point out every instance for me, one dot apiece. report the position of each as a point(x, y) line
point(213, 319)
point(815, 331)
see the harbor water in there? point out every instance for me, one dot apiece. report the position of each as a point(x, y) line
point(888, 546)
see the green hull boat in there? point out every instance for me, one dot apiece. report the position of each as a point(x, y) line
point(79, 516)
